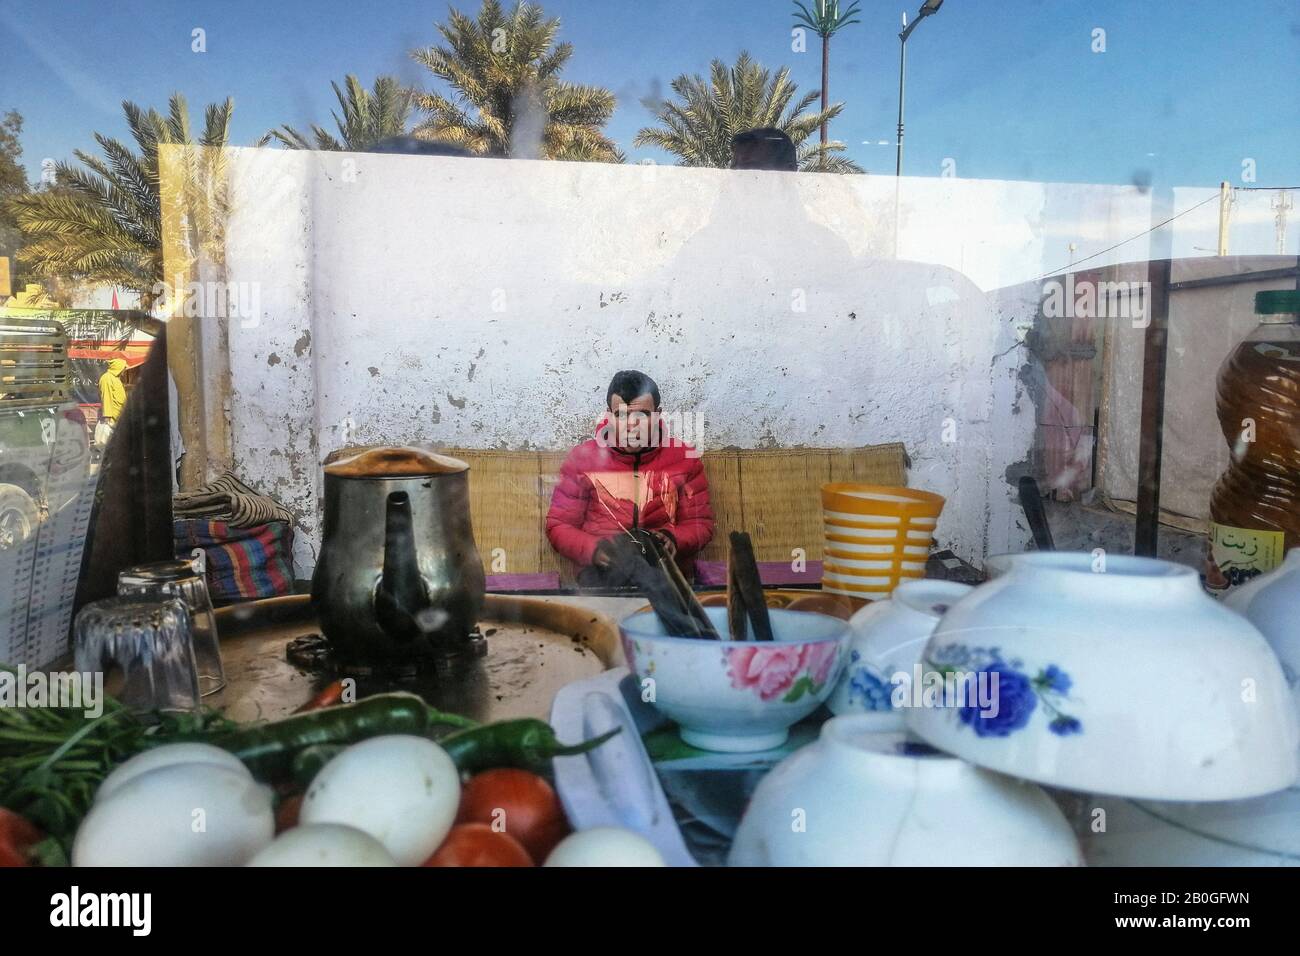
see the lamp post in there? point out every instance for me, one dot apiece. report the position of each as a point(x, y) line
point(927, 8)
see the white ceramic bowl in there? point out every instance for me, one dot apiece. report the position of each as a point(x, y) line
point(1114, 675)
point(888, 637)
point(861, 798)
point(1272, 603)
point(737, 696)
point(1264, 831)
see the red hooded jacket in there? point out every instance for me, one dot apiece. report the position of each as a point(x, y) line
point(604, 490)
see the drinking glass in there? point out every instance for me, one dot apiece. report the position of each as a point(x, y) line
point(149, 638)
point(179, 579)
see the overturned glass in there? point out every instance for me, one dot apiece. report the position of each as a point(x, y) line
point(179, 579)
point(149, 638)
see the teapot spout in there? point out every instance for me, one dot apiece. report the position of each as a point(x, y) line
point(400, 597)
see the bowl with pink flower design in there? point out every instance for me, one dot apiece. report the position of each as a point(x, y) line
point(737, 696)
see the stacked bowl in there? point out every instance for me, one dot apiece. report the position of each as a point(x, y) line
point(876, 536)
point(1162, 719)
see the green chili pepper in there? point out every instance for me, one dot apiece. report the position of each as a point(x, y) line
point(268, 750)
point(526, 744)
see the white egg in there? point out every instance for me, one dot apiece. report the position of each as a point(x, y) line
point(404, 791)
point(165, 756)
point(324, 844)
point(605, 846)
point(189, 814)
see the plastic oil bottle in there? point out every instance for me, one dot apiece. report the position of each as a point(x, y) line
point(1255, 506)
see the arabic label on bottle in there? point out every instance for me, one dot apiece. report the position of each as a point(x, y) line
point(1238, 554)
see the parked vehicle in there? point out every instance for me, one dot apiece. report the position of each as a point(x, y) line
point(35, 380)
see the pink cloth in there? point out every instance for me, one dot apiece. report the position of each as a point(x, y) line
point(714, 573)
point(542, 581)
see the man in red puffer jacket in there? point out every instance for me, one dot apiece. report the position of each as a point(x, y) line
point(633, 477)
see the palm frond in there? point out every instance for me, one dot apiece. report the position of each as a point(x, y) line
point(102, 220)
point(498, 67)
point(286, 136)
point(216, 123)
point(824, 158)
point(697, 127)
point(178, 120)
point(367, 116)
point(826, 19)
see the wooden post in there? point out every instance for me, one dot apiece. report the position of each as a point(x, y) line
point(1151, 442)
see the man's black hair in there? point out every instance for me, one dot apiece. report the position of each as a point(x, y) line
point(763, 148)
point(413, 146)
point(630, 385)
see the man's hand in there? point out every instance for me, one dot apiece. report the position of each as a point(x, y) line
point(667, 542)
point(603, 555)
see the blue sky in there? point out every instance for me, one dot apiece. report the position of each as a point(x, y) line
point(1007, 89)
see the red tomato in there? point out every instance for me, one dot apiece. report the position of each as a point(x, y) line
point(17, 837)
point(477, 844)
point(518, 802)
point(286, 814)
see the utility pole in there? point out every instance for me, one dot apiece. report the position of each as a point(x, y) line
point(1225, 206)
point(1283, 206)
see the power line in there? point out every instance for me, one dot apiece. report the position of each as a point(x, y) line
point(1159, 225)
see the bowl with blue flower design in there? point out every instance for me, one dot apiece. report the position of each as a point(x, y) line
point(1108, 674)
point(737, 696)
point(888, 637)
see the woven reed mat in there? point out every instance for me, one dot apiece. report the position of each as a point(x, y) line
point(773, 493)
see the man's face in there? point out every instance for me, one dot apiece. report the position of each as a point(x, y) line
point(634, 422)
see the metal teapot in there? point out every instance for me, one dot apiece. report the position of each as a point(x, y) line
point(398, 580)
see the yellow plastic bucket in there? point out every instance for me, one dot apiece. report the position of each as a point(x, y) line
point(875, 536)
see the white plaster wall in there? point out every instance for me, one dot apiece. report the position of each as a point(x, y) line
point(271, 397)
point(486, 303)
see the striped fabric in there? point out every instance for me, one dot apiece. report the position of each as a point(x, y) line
point(243, 563)
point(228, 499)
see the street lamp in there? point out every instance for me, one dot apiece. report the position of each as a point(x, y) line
point(927, 8)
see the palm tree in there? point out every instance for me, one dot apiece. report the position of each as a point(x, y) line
point(825, 20)
point(13, 182)
point(368, 117)
point(509, 100)
point(103, 223)
point(698, 129)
